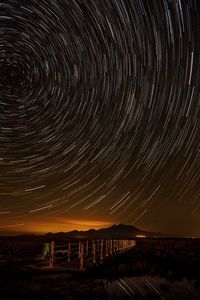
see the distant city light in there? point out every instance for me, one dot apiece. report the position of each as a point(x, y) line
point(140, 236)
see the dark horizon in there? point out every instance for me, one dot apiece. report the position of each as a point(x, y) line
point(141, 233)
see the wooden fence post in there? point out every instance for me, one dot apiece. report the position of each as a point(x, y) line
point(114, 247)
point(101, 252)
point(97, 248)
point(106, 248)
point(120, 246)
point(82, 256)
point(94, 251)
point(69, 251)
point(52, 253)
point(111, 247)
point(87, 248)
point(79, 249)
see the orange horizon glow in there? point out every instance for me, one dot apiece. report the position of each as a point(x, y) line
point(54, 225)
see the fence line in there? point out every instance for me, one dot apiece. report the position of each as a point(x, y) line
point(85, 252)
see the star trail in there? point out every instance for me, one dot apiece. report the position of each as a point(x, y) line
point(99, 114)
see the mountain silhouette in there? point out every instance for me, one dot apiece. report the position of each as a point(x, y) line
point(114, 232)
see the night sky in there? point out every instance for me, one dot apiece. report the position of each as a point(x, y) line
point(99, 115)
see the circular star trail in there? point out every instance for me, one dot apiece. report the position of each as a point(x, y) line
point(99, 112)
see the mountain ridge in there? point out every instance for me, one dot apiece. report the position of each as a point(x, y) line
point(114, 231)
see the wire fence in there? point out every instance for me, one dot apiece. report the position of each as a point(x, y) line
point(81, 254)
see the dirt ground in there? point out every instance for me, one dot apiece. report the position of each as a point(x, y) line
point(154, 269)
